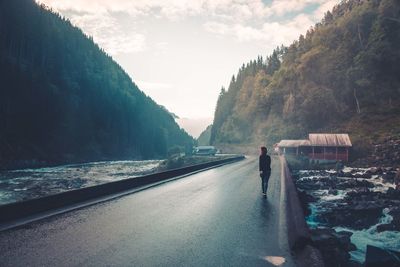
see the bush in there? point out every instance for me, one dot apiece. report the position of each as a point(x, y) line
point(175, 161)
point(175, 150)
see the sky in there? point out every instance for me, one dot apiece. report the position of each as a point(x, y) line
point(181, 52)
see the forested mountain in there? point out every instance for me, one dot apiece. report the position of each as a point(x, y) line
point(63, 99)
point(204, 138)
point(343, 75)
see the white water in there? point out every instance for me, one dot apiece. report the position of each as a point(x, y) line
point(311, 219)
point(370, 236)
point(25, 184)
point(325, 196)
point(360, 238)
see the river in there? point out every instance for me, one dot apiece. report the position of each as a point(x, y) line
point(314, 183)
point(24, 184)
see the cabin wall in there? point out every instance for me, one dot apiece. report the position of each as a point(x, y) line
point(319, 153)
point(329, 154)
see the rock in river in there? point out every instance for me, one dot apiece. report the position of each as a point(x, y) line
point(334, 246)
point(378, 257)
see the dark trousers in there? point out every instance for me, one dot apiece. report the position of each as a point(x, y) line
point(264, 180)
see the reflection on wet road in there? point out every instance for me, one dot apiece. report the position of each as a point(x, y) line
point(213, 218)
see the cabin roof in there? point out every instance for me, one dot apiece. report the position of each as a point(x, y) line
point(293, 143)
point(324, 139)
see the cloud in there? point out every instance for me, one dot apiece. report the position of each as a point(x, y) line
point(248, 33)
point(171, 8)
point(217, 27)
point(108, 33)
point(322, 9)
point(281, 7)
point(247, 20)
point(177, 9)
point(94, 6)
point(275, 33)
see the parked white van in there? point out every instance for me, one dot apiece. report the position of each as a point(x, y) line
point(205, 150)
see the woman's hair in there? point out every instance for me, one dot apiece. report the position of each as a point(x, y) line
point(263, 148)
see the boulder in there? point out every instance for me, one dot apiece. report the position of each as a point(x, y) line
point(389, 176)
point(361, 194)
point(354, 264)
point(378, 257)
point(385, 227)
point(333, 192)
point(347, 174)
point(374, 171)
point(393, 193)
point(334, 246)
point(358, 215)
point(394, 225)
point(346, 184)
point(305, 199)
point(344, 239)
point(365, 175)
point(389, 169)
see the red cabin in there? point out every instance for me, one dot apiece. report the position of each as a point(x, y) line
point(320, 147)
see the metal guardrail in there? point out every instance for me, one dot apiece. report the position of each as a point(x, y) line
point(15, 211)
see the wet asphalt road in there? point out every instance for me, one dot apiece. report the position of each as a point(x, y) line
point(213, 218)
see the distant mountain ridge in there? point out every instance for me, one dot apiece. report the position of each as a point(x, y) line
point(342, 76)
point(204, 137)
point(63, 99)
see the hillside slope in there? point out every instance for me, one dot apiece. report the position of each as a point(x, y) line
point(342, 76)
point(204, 138)
point(63, 99)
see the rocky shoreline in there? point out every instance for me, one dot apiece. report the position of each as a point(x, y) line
point(349, 209)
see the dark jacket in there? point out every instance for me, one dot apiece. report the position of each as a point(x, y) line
point(265, 163)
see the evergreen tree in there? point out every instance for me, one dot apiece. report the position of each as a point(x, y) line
point(343, 74)
point(62, 99)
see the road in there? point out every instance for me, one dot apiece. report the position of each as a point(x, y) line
point(213, 218)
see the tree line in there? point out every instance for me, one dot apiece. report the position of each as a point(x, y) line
point(342, 75)
point(63, 99)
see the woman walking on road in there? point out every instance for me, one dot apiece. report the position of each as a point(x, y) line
point(265, 170)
